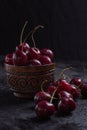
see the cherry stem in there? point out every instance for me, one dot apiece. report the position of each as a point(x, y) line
point(62, 73)
point(23, 31)
point(52, 97)
point(42, 85)
point(35, 29)
point(32, 32)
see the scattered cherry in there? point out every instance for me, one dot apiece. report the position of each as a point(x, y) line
point(41, 96)
point(44, 109)
point(66, 105)
point(77, 81)
point(84, 90)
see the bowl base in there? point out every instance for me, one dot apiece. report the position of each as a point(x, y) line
point(23, 95)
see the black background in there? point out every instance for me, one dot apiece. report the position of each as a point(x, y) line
point(65, 24)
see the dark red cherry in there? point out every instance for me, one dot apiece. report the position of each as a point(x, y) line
point(64, 94)
point(75, 92)
point(20, 58)
point(44, 109)
point(77, 81)
point(51, 89)
point(66, 105)
point(45, 59)
point(9, 59)
point(34, 62)
point(34, 53)
point(64, 85)
point(84, 90)
point(47, 52)
point(23, 47)
point(41, 96)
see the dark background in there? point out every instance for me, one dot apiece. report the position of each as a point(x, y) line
point(65, 24)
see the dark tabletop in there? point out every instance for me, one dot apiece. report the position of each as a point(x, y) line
point(19, 114)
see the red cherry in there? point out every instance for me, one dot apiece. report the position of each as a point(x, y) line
point(34, 53)
point(44, 109)
point(51, 89)
point(77, 81)
point(64, 94)
point(35, 62)
point(75, 92)
point(63, 85)
point(9, 59)
point(66, 105)
point(84, 90)
point(20, 58)
point(47, 52)
point(23, 47)
point(41, 96)
point(45, 59)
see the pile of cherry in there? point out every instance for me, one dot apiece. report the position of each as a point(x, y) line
point(60, 96)
point(25, 55)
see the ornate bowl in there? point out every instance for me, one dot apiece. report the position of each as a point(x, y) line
point(25, 81)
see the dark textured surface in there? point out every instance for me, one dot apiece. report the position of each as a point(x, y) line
point(19, 114)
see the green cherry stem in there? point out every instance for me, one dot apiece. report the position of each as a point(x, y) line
point(23, 31)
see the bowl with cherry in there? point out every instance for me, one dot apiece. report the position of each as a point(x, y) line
point(27, 67)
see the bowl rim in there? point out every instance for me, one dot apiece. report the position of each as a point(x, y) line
point(27, 66)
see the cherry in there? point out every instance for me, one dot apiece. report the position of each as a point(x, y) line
point(20, 58)
point(9, 59)
point(64, 94)
point(84, 90)
point(47, 52)
point(44, 109)
point(35, 62)
point(63, 85)
point(51, 89)
point(34, 53)
point(75, 92)
point(45, 59)
point(77, 81)
point(23, 46)
point(41, 96)
point(66, 105)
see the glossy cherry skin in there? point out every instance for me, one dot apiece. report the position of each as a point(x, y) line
point(66, 105)
point(9, 59)
point(34, 53)
point(77, 81)
point(20, 58)
point(64, 94)
point(75, 92)
point(51, 89)
point(41, 96)
point(23, 47)
point(44, 109)
point(47, 52)
point(63, 85)
point(45, 59)
point(84, 90)
point(34, 62)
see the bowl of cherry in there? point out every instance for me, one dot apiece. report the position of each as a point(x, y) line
point(27, 67)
